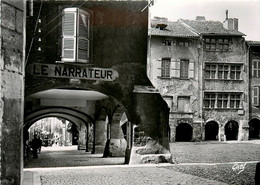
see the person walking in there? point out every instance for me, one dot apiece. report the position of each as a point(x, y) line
point(35, 146)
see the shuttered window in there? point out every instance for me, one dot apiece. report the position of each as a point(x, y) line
point(75, 35)
point(255, 97)
point(184, 69)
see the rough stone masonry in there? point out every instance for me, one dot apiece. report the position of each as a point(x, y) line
point(12, 89)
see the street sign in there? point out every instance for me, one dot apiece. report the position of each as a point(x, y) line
point(72, 71)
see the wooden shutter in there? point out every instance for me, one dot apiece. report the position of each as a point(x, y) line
point(255, 97)
point(191, 68)
point(83, 36)
point(175, 70)
point(69, 35)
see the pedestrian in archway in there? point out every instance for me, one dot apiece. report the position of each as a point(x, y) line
point(35, 146)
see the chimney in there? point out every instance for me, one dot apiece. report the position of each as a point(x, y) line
point(230, 23)
point(200, 18)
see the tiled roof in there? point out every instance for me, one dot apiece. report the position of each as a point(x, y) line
point(210, 28)
point(173, 29)
point(253, 43)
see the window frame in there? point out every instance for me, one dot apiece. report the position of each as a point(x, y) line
point(166, 68)
point(213, 73)
point(217, 44)
point(222, 100)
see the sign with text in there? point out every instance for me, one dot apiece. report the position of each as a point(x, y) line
point(72, 71)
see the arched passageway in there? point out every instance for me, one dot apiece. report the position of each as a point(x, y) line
point(183, 132)
point(231, 130)
point(211, 130)
point(254, 129)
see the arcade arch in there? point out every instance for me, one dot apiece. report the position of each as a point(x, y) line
point(184, 132)
point(254, 129)
point(231, 130)
point(211, 130)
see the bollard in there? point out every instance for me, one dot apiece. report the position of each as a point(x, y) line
point(257, 174)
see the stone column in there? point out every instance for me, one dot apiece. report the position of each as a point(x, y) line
point(221, 133)
point(116, 145)
point(82, 137)
point(151, 133)
point(243, 131)
point(100, 136)
point(12, 90)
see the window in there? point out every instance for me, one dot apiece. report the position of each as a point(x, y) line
point(235, 72)
point(166, 64)
point(184, 69)
point(183, 104)
point(210, 71)
point(223, 71)
point(222, 100)
point(255, 97)
point(167, 43)
point(217, 44)
point(256, 68)
point(75, 35)
point(235, 100)
point(209, 100)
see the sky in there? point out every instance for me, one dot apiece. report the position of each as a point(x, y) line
point(247, 12)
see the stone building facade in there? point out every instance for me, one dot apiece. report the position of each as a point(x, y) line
point(253, 53)
point(200, 68)
point(87, 64)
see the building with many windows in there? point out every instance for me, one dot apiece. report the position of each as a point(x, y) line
point(200, 68)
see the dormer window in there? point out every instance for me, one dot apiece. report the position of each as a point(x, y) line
point(161, 26)
point(75, 35)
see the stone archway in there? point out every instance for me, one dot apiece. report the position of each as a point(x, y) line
point(254, 129)
point(184, 132)
point(231, 130)
point(211, 130)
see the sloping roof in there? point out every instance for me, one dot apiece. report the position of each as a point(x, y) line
point(173, 29)
point(253, 43)
point(209, 28)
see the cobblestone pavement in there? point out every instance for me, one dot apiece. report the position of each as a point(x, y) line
point(69, 157)
point(119, 175)
point(61, 162)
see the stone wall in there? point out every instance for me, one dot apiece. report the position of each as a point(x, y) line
point(12, 90)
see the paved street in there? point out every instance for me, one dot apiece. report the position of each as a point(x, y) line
point(112, 172)
point(67, 165)
point(117, 175)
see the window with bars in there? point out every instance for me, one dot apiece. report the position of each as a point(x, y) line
point(217, 44)
point(222, 100)
point(75, 35)
point(256, 68)
point(184, 69)
point(166, 67)
point(223, 71)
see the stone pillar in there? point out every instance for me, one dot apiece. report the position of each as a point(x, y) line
point(221, 133)
point(151, 141)
point(172, 134)
point(12, 90)
point(243, 131)
point(100, 136)
point(196, 131)
point(82, 137)
point(116, 145)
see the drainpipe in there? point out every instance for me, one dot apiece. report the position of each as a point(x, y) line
point(200, 80)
